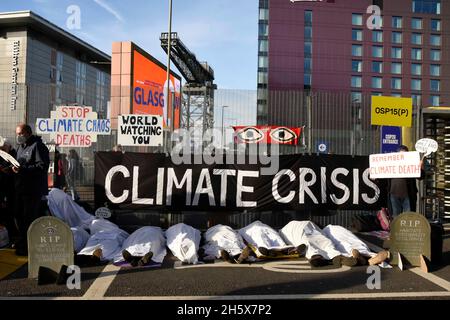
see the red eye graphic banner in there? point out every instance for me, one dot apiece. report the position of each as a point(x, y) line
point(267, 134)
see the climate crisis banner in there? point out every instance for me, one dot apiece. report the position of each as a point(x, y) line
point(144, 181)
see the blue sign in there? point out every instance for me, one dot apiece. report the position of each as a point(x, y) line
point(391, 139)
point(322, 147)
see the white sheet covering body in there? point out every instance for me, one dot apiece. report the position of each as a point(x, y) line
point(63, 207)
point(143, 240)
point(80, 238)
point(184, 242)
point(309, 234)
point(220, 237)
point(259, 234)
point(106, 236)
point(345, 241)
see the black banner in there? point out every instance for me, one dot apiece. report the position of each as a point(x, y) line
point(299, 182)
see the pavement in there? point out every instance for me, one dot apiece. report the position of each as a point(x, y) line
point(272, 280)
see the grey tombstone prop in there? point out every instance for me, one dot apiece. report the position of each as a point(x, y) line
point(50, 244)
point(411, 237)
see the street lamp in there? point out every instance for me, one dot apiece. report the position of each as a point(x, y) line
point(223, 107)
point(172, 117)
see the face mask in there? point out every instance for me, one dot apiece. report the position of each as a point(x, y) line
point(21, 139)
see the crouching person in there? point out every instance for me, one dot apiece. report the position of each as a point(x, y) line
point(184, 242)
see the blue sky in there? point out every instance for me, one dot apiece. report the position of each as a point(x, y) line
point(224, 33)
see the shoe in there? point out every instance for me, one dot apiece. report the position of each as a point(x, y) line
point(244, 254)
point(127, 256)
point(46, 276)
point(224, 255)
point(145, 260)
point(62, 276)
point(270, 252)
point(337, 261)
point(301, 249)
point(362, 261)
point(264, 251)
point(98, 254)
point(135, 262)
point(318, 261)
point(349, 261)
point(379, 258)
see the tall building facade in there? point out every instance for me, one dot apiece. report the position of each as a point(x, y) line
point(43, 66)
point(337, 46)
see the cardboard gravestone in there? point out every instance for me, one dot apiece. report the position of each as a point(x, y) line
point(50, 244)
point(411, 237)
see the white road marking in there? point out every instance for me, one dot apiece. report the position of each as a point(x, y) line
point(432, 278)
point(98, 288)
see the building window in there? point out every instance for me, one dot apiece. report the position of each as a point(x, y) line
point(416, 38)
point(377, 51)
point(417, 99)
point(263, 45)
point(308, 49)
point(435, 70)
point(356, 81)
point(262, 77)
point(435, 25)
point(307, 65)
point(416, 54)
point(308, 17)
point(435, 85)
point(263, 29)
point(397, 22)
point(357, 35)
point(416, 84)
point(308, 33)
point(435, 40)
point(80, 82)
point(377, 66)
point(396, 53)
point(357, 19)
point(396, 83)
point(416, 69)
point(377, 82)
point(396, 67)
point(427, 6)
point(263, 62)
point(357, 50)
point(416, 23)
point(376, 94)
point(307, 79)
point(263, 14)
point(101, 93)
point(396, 95)
point(397, 37)
point(435, 55)
point(377, 36)
point(356, 97)
point(356, 66)
point(435, 101)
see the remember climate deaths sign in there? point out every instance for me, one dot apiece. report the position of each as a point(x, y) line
point(391, 111)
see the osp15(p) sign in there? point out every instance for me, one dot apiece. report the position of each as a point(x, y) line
point(391, 111)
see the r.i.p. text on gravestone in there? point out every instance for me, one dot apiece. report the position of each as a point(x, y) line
point(410, 236)
point(50, 244)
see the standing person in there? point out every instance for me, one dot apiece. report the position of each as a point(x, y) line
point(403, 191)
point(30, 180)
point(73, 173)
point(61, 167)
point(7, 193)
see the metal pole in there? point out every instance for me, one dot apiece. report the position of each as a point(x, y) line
point(172, 118)
point(223, 110)
point(308, 106)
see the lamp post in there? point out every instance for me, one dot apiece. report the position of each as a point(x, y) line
point(169, 43)
point(223, 109)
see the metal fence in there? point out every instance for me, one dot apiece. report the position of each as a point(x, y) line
point(334, 118)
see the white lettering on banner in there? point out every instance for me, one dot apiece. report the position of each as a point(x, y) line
point(108, 180)
point(140, 130)
point(395, 165)
point(241, 188)
point(307, 178)
point(15, 74)
point(276, 180)
point(223, 173)
point(304, 185)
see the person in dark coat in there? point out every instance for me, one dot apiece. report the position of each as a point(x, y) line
point(30, 180)
point(403, 191)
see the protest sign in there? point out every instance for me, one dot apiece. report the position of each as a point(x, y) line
point(395, 165)
point(140, 130)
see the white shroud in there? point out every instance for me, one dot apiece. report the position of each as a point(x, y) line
point(184, 242)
